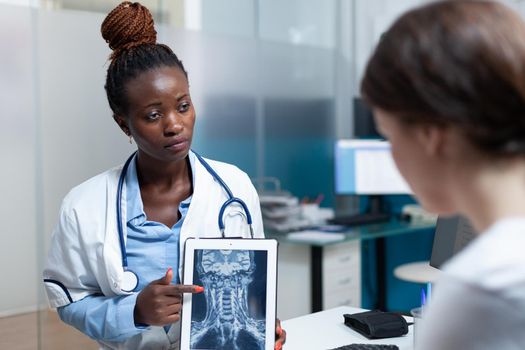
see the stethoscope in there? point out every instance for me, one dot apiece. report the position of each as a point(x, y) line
point(130, 280)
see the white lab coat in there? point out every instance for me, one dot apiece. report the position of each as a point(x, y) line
point(85, 257)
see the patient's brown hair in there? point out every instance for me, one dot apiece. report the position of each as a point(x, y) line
point(459, 63)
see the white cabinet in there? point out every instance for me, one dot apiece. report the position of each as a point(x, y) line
point(313, 278)
point(293, 281)
point(341, 275)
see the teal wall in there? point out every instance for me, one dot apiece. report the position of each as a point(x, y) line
point(299, 146)
point(298, 140)
point(401, 296)
point(225, 130)
point(304, 166)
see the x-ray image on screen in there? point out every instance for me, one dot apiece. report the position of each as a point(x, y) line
point(231, 312)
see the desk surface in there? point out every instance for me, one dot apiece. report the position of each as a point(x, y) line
point(362, 232)
point(326, 330)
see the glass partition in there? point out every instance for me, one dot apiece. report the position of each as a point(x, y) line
point(262, 80)
point(77, 135)
point(18, 156)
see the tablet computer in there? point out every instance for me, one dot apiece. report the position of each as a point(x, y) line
point(237, 308)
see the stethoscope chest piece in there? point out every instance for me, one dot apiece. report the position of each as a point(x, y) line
point(129, 282)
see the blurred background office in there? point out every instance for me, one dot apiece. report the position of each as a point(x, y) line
point(273, 83)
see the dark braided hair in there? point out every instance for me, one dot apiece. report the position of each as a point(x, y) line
point(129, 31)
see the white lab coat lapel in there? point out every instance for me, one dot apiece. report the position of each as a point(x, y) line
point(112, 256)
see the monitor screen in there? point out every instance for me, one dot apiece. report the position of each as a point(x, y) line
point(452, 235)
point(366, 167)
point(364, 124)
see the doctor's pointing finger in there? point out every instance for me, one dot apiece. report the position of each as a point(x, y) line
point(160, 303)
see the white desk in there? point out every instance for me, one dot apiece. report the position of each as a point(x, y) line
point(333, 268)
point(326, 330)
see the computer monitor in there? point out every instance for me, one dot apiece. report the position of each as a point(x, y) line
point(364, 124)
point(452, 235)
point(366, 167)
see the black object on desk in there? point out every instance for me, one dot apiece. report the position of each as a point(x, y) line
point(367, 347)
point(377, 324)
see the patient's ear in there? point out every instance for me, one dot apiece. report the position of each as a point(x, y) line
point(432, 139)
point(122, 123)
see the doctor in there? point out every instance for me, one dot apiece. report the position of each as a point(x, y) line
point(120, 285)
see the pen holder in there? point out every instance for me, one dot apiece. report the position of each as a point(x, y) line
point(314, 214)
point(417, 314)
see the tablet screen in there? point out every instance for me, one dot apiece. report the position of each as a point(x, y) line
point(233, 310)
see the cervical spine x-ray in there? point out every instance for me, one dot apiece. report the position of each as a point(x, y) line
point(231, 313)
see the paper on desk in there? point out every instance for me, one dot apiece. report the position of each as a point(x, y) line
point(313, 235)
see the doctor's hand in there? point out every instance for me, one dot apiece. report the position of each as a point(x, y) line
point(160, 302)
point(280, 335)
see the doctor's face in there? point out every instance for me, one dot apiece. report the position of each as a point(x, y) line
point(160, 114)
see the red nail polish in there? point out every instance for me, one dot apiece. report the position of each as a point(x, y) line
point(278, 346)
point(199, 289)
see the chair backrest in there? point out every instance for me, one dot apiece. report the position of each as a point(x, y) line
point(452, 235)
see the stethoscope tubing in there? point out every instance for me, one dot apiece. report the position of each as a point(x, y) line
point(231, 199)
point(119, 211)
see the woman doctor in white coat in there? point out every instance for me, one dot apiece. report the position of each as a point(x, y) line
point(120, 285)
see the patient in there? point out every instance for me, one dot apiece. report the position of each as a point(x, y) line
point(447, 86)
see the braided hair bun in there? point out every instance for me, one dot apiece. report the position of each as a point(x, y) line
point(128, 25)
point(129, 31)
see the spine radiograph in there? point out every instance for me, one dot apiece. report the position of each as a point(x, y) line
point(226, 275)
